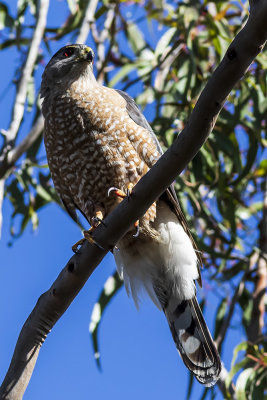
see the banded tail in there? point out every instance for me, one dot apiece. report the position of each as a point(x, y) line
point(193, 339)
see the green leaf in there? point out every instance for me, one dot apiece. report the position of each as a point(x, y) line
point(73, 6)
point(136, 38)
point(262, 169)
point(241, 384)
point(122, 73)
point(22, 6)
point(235, 368)
point(164, 42)
point(111, 287)
point(220, 314)
point(6, 21)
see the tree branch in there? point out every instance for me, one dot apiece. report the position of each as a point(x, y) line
point(100, 40)
point(221, 385)
point(227, 320)
point(52, 304)
point(14, 154)
point(11, 156)
point(256, 325)
point(89, 17)
point(18, 109)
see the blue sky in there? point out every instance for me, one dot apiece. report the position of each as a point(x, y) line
point(139, 358)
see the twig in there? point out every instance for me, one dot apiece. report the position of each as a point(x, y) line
point(222, 387)
point(18, 109)
point(164, 68)
point(256, 325)
point(101, 59)
point(26, 143)
point(54, 302)
point(227, 320)
point(89, 17)
point(14, 154)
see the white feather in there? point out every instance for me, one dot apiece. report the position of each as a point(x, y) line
point(142, 263)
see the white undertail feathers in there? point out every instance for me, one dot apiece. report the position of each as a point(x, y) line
point(167, 271)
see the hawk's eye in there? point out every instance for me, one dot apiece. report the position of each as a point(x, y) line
point(68, 52)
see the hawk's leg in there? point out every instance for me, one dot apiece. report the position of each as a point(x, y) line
point(96, 220)
point(120, 193)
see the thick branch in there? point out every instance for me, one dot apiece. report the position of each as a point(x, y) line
point(18, 109)
point(54, 302)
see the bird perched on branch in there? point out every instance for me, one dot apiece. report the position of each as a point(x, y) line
point(98, 145)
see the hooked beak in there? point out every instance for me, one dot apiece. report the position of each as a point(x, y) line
point(87, 54)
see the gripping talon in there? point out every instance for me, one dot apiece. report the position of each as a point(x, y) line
point(87, 236)
point(95, 221)
point(78, 244)
point(136, 225)
point(118, 192)
point(129, 190)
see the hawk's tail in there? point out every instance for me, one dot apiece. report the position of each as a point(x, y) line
point(193, 339)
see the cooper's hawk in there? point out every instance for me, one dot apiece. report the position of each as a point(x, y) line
point(97, 138)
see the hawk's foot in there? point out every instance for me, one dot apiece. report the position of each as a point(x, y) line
point(120, 193)
point(78, 244)
point(95, 221)
point(87, 236)
point(136, 225)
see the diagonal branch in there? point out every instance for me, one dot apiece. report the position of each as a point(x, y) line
point(14, 154)
point(18, 109)
point(238, 292)
point(221, 385)
point(52, 304)
point(26, 143)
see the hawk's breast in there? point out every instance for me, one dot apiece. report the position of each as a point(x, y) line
point(92, 144)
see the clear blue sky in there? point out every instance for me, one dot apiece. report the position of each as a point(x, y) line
point(139, 358)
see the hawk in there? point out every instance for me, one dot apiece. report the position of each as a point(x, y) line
point(97, 138)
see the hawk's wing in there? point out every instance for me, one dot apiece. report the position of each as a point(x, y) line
point(169, 195)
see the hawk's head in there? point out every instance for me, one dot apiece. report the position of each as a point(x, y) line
point(67, 65)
